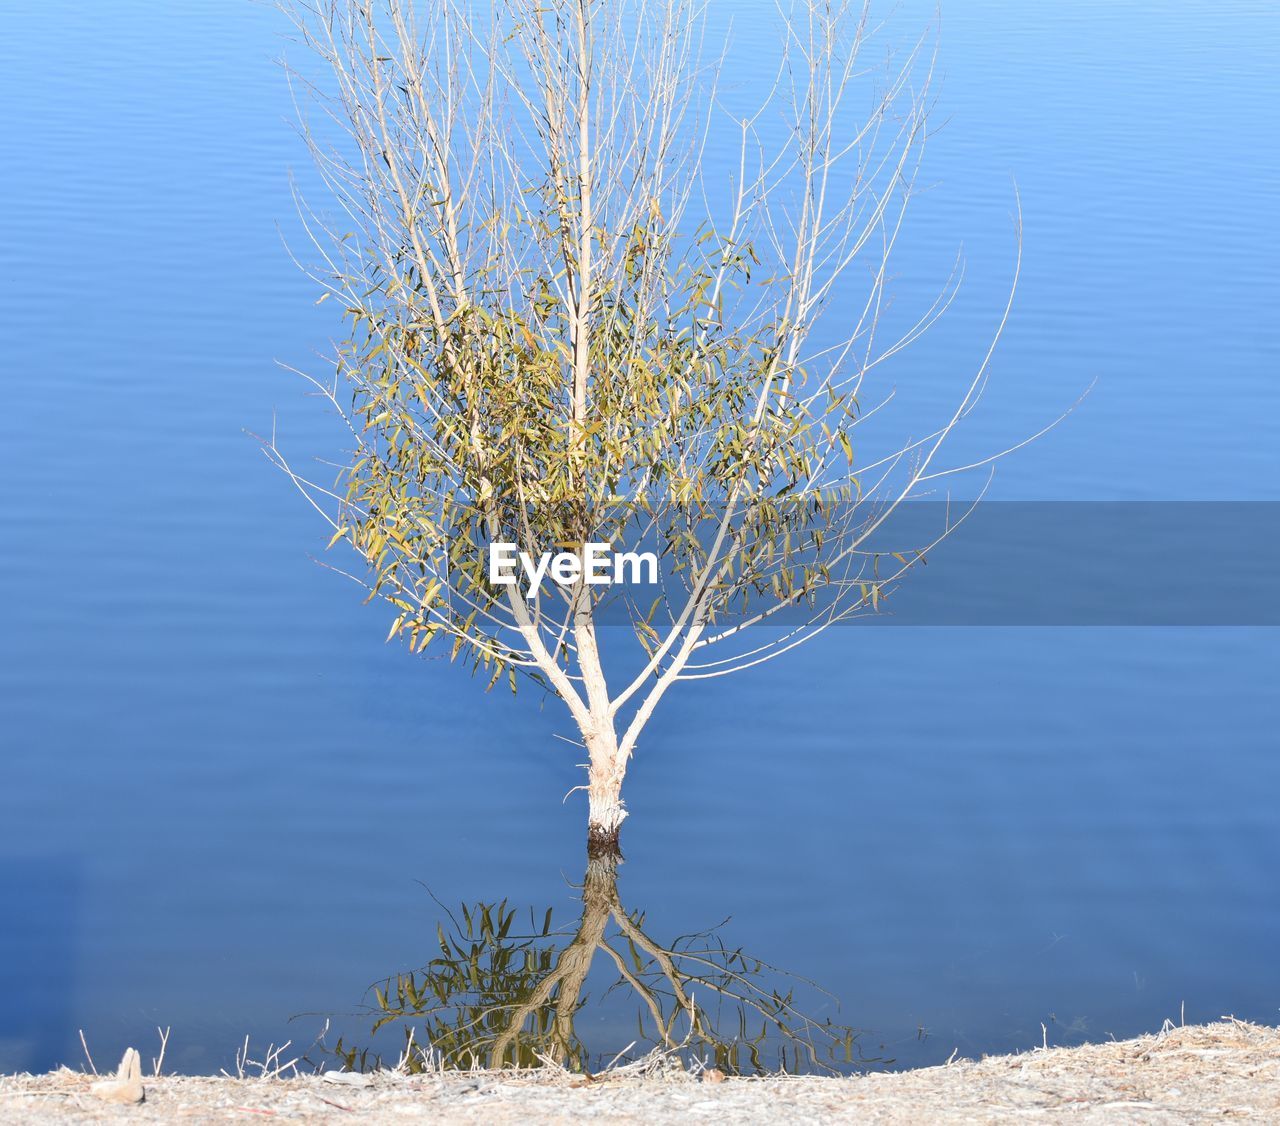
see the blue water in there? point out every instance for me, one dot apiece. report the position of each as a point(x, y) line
point(222, 794)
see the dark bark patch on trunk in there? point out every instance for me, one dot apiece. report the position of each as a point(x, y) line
point(602, 844)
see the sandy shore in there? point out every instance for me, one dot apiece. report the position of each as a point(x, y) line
point(1227, 1070)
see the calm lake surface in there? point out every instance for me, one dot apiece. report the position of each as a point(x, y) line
point(227, 807)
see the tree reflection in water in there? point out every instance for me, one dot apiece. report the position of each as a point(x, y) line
point(501, 994)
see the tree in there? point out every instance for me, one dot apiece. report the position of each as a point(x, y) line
point(562, 330)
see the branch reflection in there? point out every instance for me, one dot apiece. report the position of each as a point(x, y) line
point(510, 989)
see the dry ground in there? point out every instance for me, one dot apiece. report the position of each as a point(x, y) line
point(1229, 1070)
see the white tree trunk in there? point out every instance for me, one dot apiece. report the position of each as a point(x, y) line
point(606, 769)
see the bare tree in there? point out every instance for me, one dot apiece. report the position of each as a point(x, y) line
point(565, 329)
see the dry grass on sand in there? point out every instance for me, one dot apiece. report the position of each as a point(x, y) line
point(1229, 1070)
